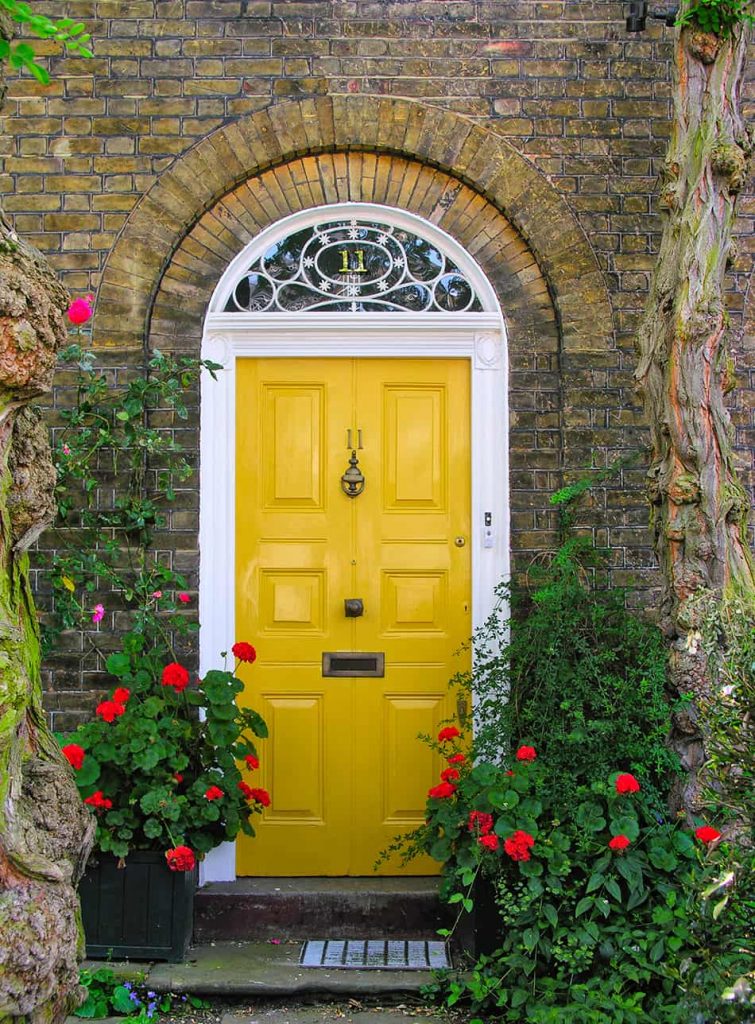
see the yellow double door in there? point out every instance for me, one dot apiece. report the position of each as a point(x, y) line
point(343, 763)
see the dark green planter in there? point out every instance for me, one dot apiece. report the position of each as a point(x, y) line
point(143, 911)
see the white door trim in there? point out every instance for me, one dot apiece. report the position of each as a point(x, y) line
point(477, 337)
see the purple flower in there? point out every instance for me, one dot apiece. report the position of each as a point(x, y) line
point(99, 613)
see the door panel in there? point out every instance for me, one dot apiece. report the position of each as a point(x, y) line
point(343, 762)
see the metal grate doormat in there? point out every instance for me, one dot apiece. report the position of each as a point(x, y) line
point(375, 954)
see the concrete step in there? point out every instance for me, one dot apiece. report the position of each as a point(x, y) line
point(318, 908)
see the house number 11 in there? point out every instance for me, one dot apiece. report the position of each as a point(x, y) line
point(355, 265)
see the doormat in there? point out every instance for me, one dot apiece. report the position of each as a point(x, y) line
point(375, 954)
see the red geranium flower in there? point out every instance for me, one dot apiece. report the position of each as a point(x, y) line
point(707, 834)
point(480, 822)
point(80, 311)
point(102, 803)
point(450, 774)
point(261, 796)
point(214, 793)
point(178, 776)
point(121, 695)
point(442, 791)
point(526, 754)
point(456, 759)
point(489, 842)
point(246, 789)
point(519, 845)
point(109, 710)
point(449, 733)
point(74, 754)
point(252, 762)
point(627, 783)
point(619, 843)
point(181, 858)
point(244, 652)
point(175, 675)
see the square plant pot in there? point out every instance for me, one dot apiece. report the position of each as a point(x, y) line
point(143, 911)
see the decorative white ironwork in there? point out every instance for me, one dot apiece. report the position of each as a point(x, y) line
point(353, 266)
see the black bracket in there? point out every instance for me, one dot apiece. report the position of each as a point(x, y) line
point(639, 13)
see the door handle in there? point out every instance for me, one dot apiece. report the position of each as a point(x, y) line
point(353, 607)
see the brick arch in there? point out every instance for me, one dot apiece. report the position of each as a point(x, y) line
point(203, 255)
point(190, 191)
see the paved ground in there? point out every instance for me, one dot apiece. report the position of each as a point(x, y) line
point(262, 983)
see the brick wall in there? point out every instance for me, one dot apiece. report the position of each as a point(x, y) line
point(560, 81)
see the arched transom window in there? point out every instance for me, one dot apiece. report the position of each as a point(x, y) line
point(353, 265)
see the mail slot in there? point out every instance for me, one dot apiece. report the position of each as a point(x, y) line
point(351, 663)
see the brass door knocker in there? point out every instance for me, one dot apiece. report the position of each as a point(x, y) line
point(352, 481)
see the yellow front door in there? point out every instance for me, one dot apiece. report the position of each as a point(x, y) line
point(343, 762)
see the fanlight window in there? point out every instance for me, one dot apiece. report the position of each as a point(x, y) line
point(353, 266)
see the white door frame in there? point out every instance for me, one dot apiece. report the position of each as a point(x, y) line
point(477, 337)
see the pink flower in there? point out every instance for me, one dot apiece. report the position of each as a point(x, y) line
point(80, 311)
point(157, 594)
point(66, 450)
point(99, 613)
point(184, 598)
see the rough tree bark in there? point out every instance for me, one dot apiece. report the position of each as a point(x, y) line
point(45, 831)
point(700, 510)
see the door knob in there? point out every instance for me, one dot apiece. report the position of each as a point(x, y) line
point(353, 607)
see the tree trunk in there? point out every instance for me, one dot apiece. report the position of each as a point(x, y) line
point(45, 831)
point(699, 508)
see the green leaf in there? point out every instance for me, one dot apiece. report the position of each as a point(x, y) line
point(122, 1002)
point(585, 904)
point(595, 882)
point(530, 938)
point(551, 914)
point(613, 887)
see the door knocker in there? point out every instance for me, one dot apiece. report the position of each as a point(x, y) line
point(352, 481)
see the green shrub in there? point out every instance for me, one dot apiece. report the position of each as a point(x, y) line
point(598, 908)
point(569, 669)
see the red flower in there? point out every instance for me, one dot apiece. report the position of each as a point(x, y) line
point(509, 772)
point(627, 783)
point(109, 710)
point(490, 842)
point(450, 774)
point(442, 791)
point(449, 733)
point(261, 796)
point(99, 801)
point(619, 843)
point(74, 754)
point(707, 834)
point(214, 793)
point(252, 762)
point(480, 822)
point(80, 311)
point(519, 845)
point(175, 675)
point(181, 858)
point(178, 776)
point(246, 789)
point(244, 652)
point(456, 759)
point(121, 695)
point(184, 598)
point(526, 754)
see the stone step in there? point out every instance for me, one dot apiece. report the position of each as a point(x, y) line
point(318, 908)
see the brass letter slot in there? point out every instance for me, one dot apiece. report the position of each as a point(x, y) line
point(346, 663)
